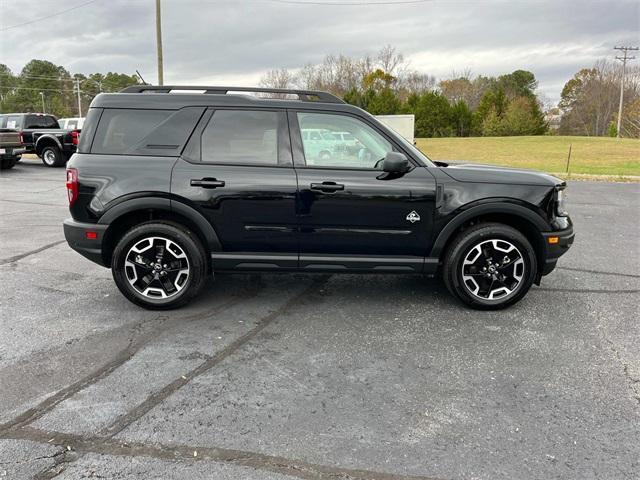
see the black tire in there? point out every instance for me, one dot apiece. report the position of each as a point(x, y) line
point(471, 242)
point(324, 155)
point(186, 241)
point(52, 157)
point(7, 163)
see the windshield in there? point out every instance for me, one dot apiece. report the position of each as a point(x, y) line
point(418, 153)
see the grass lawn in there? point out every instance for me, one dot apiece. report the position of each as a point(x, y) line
point(589, 155)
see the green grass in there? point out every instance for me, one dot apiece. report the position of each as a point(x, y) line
point(589, 155)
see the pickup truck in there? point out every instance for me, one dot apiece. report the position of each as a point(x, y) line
point(42, 135)
point(11, 148)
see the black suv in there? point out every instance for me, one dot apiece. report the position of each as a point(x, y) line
point(173, 183)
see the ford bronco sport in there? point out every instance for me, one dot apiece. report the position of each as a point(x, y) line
point(170, 184)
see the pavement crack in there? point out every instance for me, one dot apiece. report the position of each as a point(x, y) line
point(15, 258)
point(598, 272)
point(584, 290)
point(136, 341)
point(83, 444)
point(130, 417)
point(632, 383)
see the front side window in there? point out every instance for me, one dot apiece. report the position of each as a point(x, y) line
point(242, 137)
point(332, 140)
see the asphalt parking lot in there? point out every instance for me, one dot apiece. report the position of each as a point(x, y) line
point(294, 376)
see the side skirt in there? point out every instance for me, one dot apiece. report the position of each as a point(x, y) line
point(279, 262)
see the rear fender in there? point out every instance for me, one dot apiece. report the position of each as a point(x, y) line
point(45, 140)
point(170, 206)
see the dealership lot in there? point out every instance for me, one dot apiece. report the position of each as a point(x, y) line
point(328, 376)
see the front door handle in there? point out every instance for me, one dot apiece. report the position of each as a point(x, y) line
point(327, 186)
point(206, 183)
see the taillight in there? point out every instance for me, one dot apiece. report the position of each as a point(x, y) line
point(75, 137)
point(72, 185)
point(21, 139)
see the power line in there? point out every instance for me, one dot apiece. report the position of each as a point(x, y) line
point(623, 59)
point(37, 76)
point(38, 89)
point(61, 12)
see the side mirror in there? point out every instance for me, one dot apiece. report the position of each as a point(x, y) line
point(395, 162)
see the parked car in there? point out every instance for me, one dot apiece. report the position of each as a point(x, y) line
point(42, 135)
point(168, 188)
point(11, 148)
point(74, 123)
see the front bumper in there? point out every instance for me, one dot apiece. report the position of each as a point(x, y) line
point(76, 235)
point(556, 250)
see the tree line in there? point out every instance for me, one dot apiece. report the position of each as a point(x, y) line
point(468, 105)
point(385, 84)
point(42, 82)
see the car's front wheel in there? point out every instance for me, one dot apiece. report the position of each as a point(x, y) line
point(159, 265)
point(490, 266)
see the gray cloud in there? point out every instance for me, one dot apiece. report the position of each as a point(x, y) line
point(235, 41)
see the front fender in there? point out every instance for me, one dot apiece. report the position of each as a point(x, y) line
point(481, 210)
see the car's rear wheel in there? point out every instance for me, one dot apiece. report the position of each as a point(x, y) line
point(490, 266)
point(159, 265)
point(7, 163)
point(52, 157)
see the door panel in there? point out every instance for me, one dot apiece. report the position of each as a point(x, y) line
point(368, 216)
point(253, 212)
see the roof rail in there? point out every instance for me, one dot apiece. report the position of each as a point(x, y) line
point(303, 95)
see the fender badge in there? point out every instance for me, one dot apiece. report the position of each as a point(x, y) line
point(413, 217)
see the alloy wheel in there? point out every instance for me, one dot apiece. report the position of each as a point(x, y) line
point(493, 269)
point(157, 267)
point(49, 157)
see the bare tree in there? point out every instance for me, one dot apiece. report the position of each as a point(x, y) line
point(590, 100)
point(390, 61)
point(278, 78)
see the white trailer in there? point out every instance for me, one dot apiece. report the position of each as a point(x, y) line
point(402, 124)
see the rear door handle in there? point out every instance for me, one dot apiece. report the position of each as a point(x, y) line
point(327, 186)
point(206, 183)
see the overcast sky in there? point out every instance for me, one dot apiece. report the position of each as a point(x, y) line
point(236, 41)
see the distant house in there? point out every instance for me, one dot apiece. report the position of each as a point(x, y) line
point(553, 118)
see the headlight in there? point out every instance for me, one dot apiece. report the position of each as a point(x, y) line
point(561, 200)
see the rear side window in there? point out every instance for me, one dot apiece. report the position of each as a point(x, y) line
point(144, 132)
point(242, 137)
point(40, 122)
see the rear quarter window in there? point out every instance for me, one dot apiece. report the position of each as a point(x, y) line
point(143, 132)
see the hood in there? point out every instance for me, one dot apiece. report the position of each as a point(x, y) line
point(482, 173)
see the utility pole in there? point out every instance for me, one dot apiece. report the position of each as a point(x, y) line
point(42, 97)
point(159, 43)
point(623, 59)
point(79, 101)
